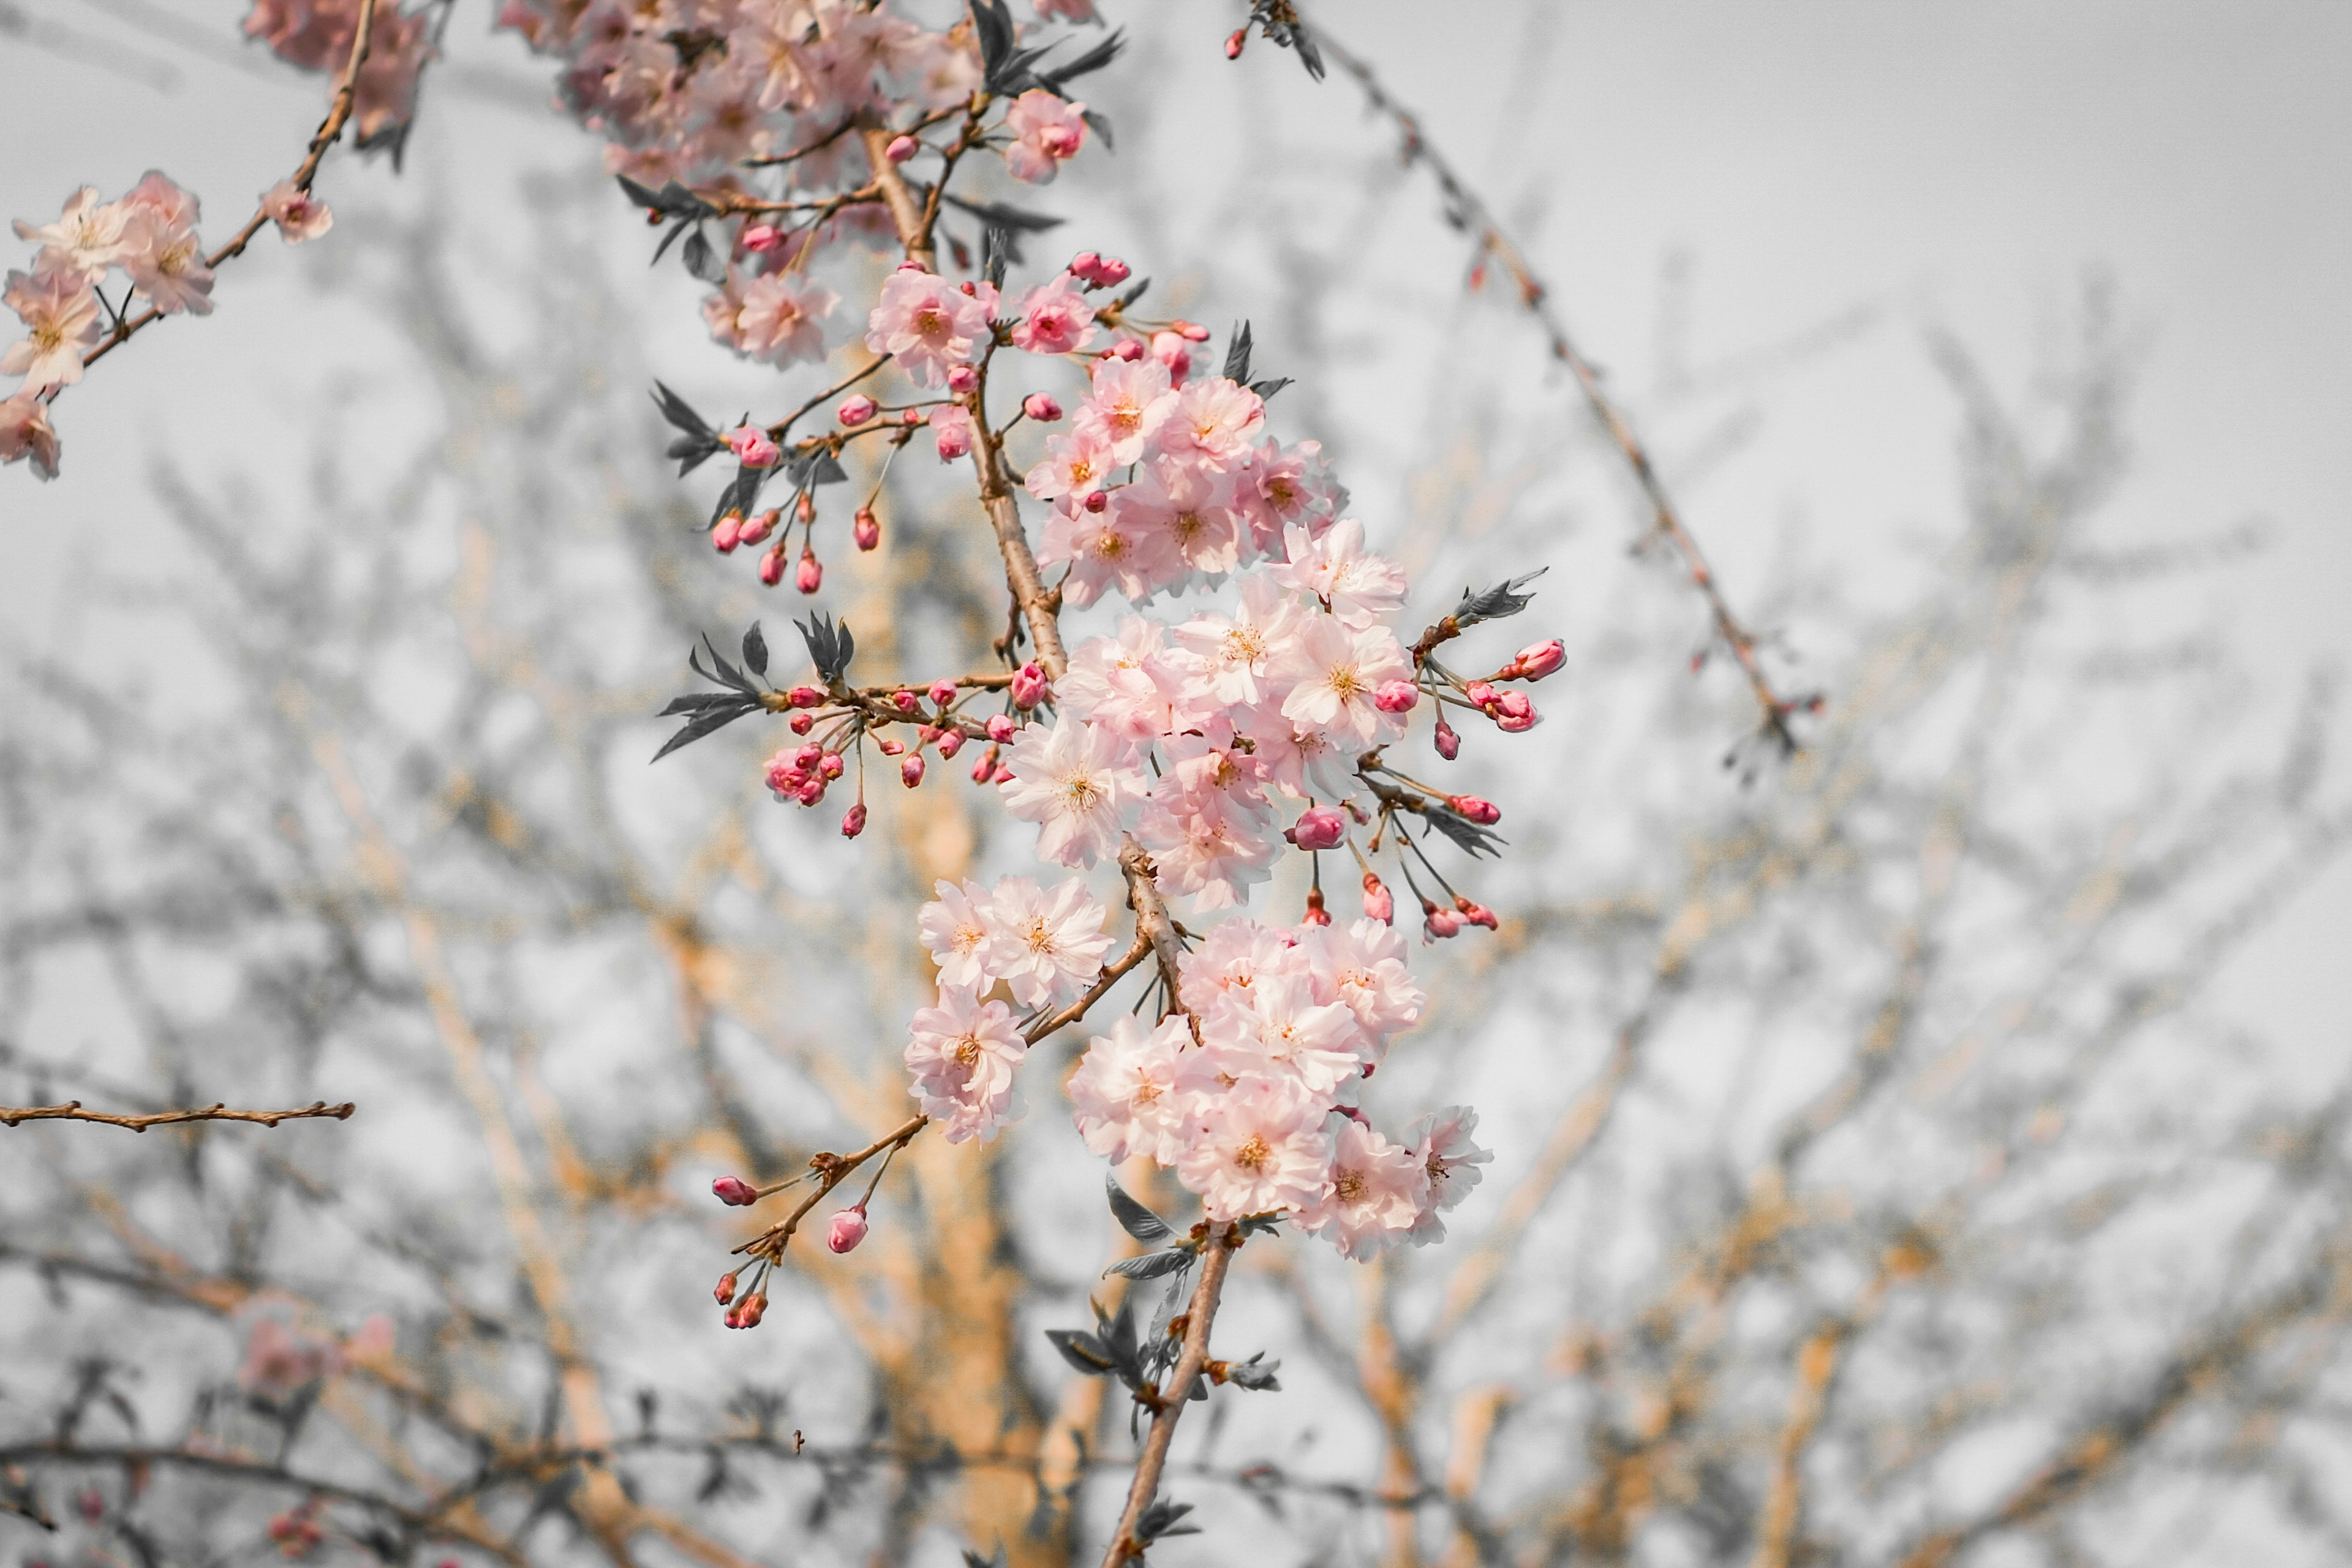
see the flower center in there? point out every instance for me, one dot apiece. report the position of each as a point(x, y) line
point(967, 1051)
point(1253, 1154)
point(1349, 1186)
point(1038, 935)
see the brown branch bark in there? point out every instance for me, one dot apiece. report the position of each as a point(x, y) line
point(1170, 1405)
point(72, 1111)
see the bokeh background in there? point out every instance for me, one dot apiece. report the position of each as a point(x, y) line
point(1927, 1149)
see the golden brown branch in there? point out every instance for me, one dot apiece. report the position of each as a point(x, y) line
point(72, 1111)
point(1171, 1400)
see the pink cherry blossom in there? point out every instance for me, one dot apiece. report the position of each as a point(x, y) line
point(1053, 317)
point(1360, 588)
point(25, 433)
point(1258, 1149)
point(926, 325)
point(1080, 784)
point(1127, 683)
point(1047, 133)
point(1189, 507)
point(60, 309)
point(1232, 655)
point(84, 241)
point(1107, 549)
point(956, 929)
point(1076, 465)
point(1125, 1092)
point(1126, 406)
point(777, 319)
point(962, 1054)
point(1212, 424)
point(1373, 1195)
point(1047, 946)
point(1441, 1144)
point(1334, 673)
point(1362, 966)
point(951, 431)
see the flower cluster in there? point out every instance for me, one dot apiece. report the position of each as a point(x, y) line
point(318, 35)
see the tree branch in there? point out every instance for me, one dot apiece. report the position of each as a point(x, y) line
point(71, 1111)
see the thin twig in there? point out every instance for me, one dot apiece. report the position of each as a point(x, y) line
point(1169, 1405)
point(1492, 239)
point(72, 1111)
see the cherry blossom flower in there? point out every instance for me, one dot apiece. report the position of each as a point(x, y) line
point(1258, 1149)
point(1126, 407)
point(1128, 683)
point(1373, 1197)
point(1233, 955)
point(61, 311)
point(1125, 1090)
point(1334, 566)
point(298, 215)
point(1068, 10)
point(778, 317)
point(1076, 465)
point(1053, 317)
point(24, 432)
point(1362, 966)
point(1334, 673)
point(84, 241)
point(962, 1054)
point(956, 929)
point(160, 249)
point(1442, 1146)
point(1277, 1027)
point(1190, 509)
point(1047, 133)
point(926, 323)
point(1106, 548)
point(1045, 946)
point(1212, 424)
point(1080, 783)
point(1232, 655)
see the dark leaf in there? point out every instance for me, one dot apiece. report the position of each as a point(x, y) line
point(830, 648)
point(1152, 1265)
point(996, 247)
point(1081, 1350)
point(695, 702)
point(1265, 389)
point(693, 451)
point(1017, 220)
point(1120, 1343)
point(1255, 1374)
point(1133, 1217)
point(1502, 599)
point(725, 674)
point(679, 227)
point(1237, 354)
point(1308, 54)
point(1093, 59)
point(1465, 835)
point(680, 412)
point(815, 466)
point(673, 200)
point(701, 260)
point(1160, 1522)
point(1132, 295)
point(993, 23)
point(713, 719)
point(755, 650)
point(1261, 1225)
point(742, 492)
point(1101, 127)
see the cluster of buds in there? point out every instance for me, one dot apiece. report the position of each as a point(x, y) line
point(295, 1532)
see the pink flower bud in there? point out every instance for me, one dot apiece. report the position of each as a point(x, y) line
point(807, 756)
point(1003, 774)
point(1097, 501)
point(910, 772)
point(1481, 695)
point(1112, 272)
point(804, 508)
point(1041, 407)
point(810, 793)
point(868, 529)
point(905, 702)
point(1515, 713)
point(1476, 914)
point(805, 697)
point(753, 1309)
point(847, 1229)
point(772, 564)
point(1484, 812)
point(985, 769)
point(855, 409)
point(801, 723)
point(953, 438)
point(1321, 828)
point(762, 237)
point(726, 1290)
point(951, 742)
point(902, 148)
point(1440, 924)
point(1233, 44)
point(942, 691)
point(751, 447)
point(1377, 904)
point(735, 1190)
point(963, 379)
point(1396, 696)
point(811, 574)
point(1449, 744)
point(853, 822)
point(1028, 685)
point(1171, 350)
point(727, 534)
point(911, 417)
point(760, 527)
point(1083, 265)
point(1538, 659)
point(1190, 331)
point(831, 765)
point(1317, 915)
point(1129, 348)
point(889, 748)
point(1000, 727)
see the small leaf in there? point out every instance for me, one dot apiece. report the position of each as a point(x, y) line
point(1463, 834)
point(1152, 1265)
point(1159, 1520)
point(993, 23)
point(1255, 1374)
point(1503, 599)
point(1101, 127)
point(1265, 389)
point(755, 650)
point(676, 229)
point(700, 260)
point(1093, 59)
point(1237, 354)
point(716, 717)
point(996, 247)
point(1132, 295)
point(815, 466)
point(680, 412)
point(1018, 219)
point(1133, 1217)
point(1081, 1350)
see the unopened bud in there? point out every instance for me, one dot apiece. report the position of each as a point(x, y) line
point(1538, 659)
point(855, 409)
point(810, 793)
point(1515, 713)
point(1171, 350)
point(985, 769)
point(1378, 903)
point(1129, 348)
point(1028, 685)
point(963, 379)
point(1478, 810)
point(902, 148)
point(950, 742)
point(854, 823)
point(762, 237)
point(801, 723)
point(847, 1229)
point(1000, 727)
point(807, 756)
point(1317, 829)
point(735, 1190)
point(805, 697)
point(910, 772)
point(942, 691)
point(727, 534)
point(726, 1290)
point(1190, 331)
point(772, 564)
point(889, 748)
point(1396, 696)
point(1317, 915)
point(1097, 501)
point(751, 447)
point(1482, 695)
point(1041, 407)
point(1112, 271)
point(1085, 264)
point(760, 527)
point(1440, 924)
point(1233, 44)
point(905, 702)
point(868, 530)
point(831, 765)
point(809, 578)
point(750, 1310)
point(1476, 914)
point(1449, 744)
